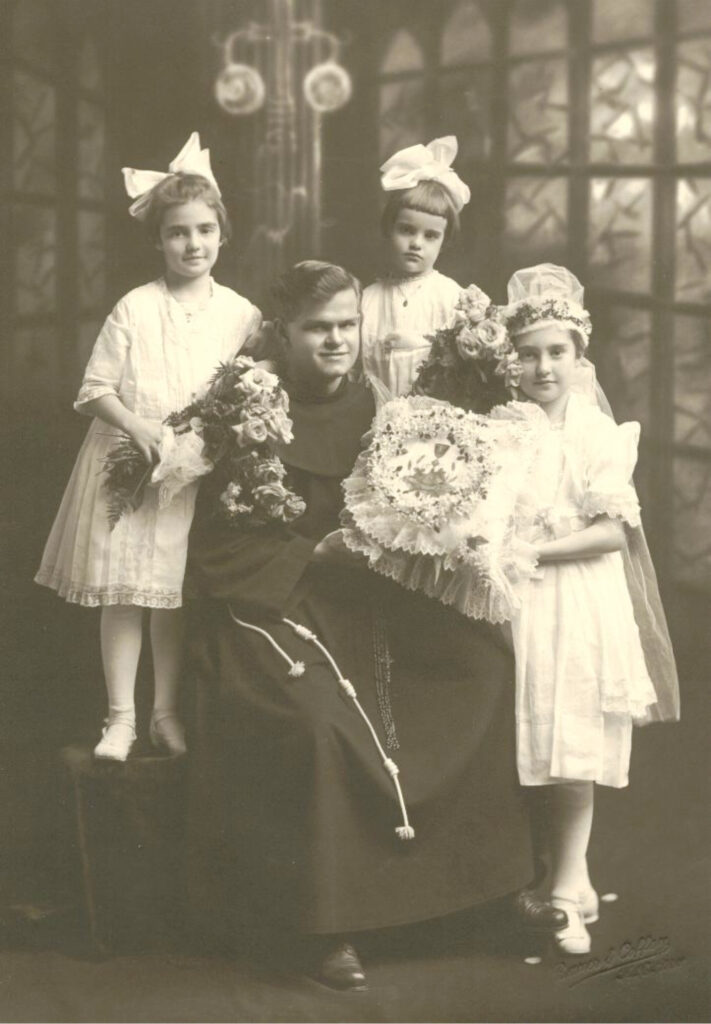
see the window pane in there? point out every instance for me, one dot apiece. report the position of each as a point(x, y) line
point(35, 357)
point(538, 119)
point(537, 26)
point(536, 220)
point(34, 33)
point(402, 116)
point(624, 359)
point(693, 14)
point(89, 67)
point(693, 101)
point(615, 20)
point(692, 521)
point(33, 134)
point(620, 233)
point(35, 234)
point(693, 240)
point(92, 258)
point(466, 36)
point(692, 381)
point(622, 107)
point(90, 163)
point(465, 103)
point(403, 54)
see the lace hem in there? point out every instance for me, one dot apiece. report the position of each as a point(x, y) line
point(481, 591)
point(621, 505)
point(96, 597)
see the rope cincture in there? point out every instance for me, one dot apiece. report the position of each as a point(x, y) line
point(297, 668)
point(404, 831)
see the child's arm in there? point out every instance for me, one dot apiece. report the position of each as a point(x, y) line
point(145, 434)
point(601, 537)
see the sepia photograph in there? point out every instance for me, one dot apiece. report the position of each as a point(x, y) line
point(356, 512)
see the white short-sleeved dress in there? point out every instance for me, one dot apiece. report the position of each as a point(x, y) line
point(581, 676)
point(412, 308)
point(156, 355)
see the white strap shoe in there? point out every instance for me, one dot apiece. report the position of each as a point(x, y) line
point(116, 741)
point(574, 938)
point(589, 905)
point(167, 733)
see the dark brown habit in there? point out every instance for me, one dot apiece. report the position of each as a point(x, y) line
point(292, 817)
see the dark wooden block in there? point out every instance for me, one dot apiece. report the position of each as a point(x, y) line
point(131, 828)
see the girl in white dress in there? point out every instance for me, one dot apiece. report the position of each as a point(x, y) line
point(414, 299)
point(157, 349)
point(582, 678)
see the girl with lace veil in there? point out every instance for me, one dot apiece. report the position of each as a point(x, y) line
point(593, 655)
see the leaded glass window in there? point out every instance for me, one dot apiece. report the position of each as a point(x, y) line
point(538, 111)
point(693, 101)
point(622, 107)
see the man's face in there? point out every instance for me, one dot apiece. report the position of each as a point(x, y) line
point(323, 340)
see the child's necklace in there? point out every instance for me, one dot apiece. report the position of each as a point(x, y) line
point(409, 288)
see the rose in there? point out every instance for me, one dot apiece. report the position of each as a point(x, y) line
point(273, 493)
point(467, 344)
point(252, 431)
point(492, 339)
point(269, 471)
point(277, 425)
point(510, 369)
point(472, 304)
point(255, 381)
point(293, 507)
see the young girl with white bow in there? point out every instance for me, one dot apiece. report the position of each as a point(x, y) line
point(591, 634)
point(399, 310)
point(157, 349)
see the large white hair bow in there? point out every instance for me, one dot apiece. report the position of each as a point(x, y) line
point(432, 162)
point(191, 160)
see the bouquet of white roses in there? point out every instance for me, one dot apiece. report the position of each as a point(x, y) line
point(472, 363)
point(238, 422)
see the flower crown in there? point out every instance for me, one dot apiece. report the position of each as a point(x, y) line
point(540, 312)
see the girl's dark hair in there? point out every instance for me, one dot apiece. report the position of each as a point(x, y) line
point(181, 188)
point(427, 197)
point(307, 283)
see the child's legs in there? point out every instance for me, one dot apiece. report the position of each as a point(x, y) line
point(120, 651)
point(571, 815)
point(167, 647)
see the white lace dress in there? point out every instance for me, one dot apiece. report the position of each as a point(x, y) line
point(581, 676)
point(156, 356)
point(412, 309)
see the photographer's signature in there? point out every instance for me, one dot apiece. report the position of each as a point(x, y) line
point(646, 955)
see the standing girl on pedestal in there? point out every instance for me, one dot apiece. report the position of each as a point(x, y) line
point(156, 351)
point(587, 644)
point(414, 299)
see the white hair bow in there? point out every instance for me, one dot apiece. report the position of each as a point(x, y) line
point(432, 162)
point(191, 160)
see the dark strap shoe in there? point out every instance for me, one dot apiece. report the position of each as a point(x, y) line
point(342, 969)
point(536, 914)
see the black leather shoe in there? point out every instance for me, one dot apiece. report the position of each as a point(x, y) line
point(536, 914)
point(342, 969)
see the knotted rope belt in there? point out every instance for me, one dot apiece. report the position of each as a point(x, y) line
point(297, 668)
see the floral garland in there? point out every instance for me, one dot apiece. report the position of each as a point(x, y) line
point(522, 313)
point(237, 424)
point(428, 464)
point(472, 364)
